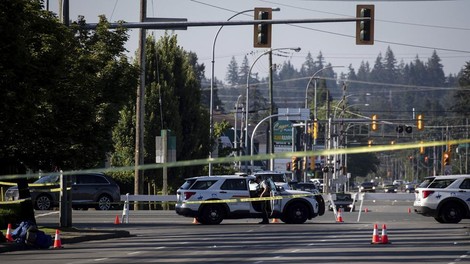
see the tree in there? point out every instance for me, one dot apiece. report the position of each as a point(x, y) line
point(172, 103)
point(61, 88)
point(232, 73)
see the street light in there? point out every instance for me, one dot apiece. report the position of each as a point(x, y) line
point(248, 90)
point(235, 134)
point(256, 128)
point(308, 85)
point(211, 110)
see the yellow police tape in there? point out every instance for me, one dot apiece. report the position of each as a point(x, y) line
point(281, 155)
point(238, 200)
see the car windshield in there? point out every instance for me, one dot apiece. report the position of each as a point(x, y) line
point(343, 197)
point(48, 179)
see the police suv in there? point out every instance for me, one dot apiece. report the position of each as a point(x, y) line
point(446, 198)
point(211, 199)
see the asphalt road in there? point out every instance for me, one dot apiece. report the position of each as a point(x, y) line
point(164, 237)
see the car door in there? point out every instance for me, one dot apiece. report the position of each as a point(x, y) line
point(275, 203)
point(463, 193)
point(236, 189)
point(84, 188)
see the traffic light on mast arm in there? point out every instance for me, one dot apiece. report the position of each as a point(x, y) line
point(262, 32)
point(374, 126)
point(365, 28)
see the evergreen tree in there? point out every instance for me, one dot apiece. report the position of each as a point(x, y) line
point(232, 77)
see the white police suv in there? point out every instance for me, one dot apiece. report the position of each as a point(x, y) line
point(211, 199)
point(446, 198)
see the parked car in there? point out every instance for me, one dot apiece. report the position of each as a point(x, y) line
point(279, 178)
point(390, 188)
point(367, 187)
point(446, 198)
point(318, 182)
point(211, 199)
point(343, 201)
point(409, 188)
point(88, 190)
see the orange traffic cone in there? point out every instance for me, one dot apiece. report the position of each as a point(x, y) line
point(195, 221)
point(275, 220)
point(375, 236)
point(339, 219)
point(384, 237)
point(8, 236)
point(57, 241)
point(116, 220)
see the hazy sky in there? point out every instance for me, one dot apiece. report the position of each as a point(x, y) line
point(410, 28)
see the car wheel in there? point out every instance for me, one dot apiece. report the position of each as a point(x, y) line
point(212, 214)
point(438, 219)
point(43, 202)
point(104, 202)
point(297, 213)
point(451, 213)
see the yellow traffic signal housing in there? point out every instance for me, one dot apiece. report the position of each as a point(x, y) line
point(421, 148)
point(374, 126)
point(420, 122)
point(312, 163)
point(315, 129)
point(365, 28)
point(295, 165)
point(262, 31)
point(446, 158)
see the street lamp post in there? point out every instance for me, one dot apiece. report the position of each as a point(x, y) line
point(235, 134)
point(315, 93)
point(313, 77)
point(256, 127)
point(248, 90)
point(211, 107)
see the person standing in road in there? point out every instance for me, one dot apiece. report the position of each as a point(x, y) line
point(264, 191)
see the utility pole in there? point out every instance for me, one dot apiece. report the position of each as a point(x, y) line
point(271, 110)
point(140, 109)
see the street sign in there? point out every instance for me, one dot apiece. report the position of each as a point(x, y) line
point(304, 114)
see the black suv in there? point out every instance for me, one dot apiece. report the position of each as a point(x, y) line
point(89, 190)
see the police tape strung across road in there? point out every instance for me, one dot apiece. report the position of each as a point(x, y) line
point(281, 155)
point(238, 200)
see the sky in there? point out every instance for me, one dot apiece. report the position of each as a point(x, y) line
point(409, 28)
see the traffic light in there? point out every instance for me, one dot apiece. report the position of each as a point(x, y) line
point(420, 122)
point(262, 31)
point(315, 129)
point(295, 165)
point(446, 158)
point(365, 28)
point(374, 126)
point(312, 163)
